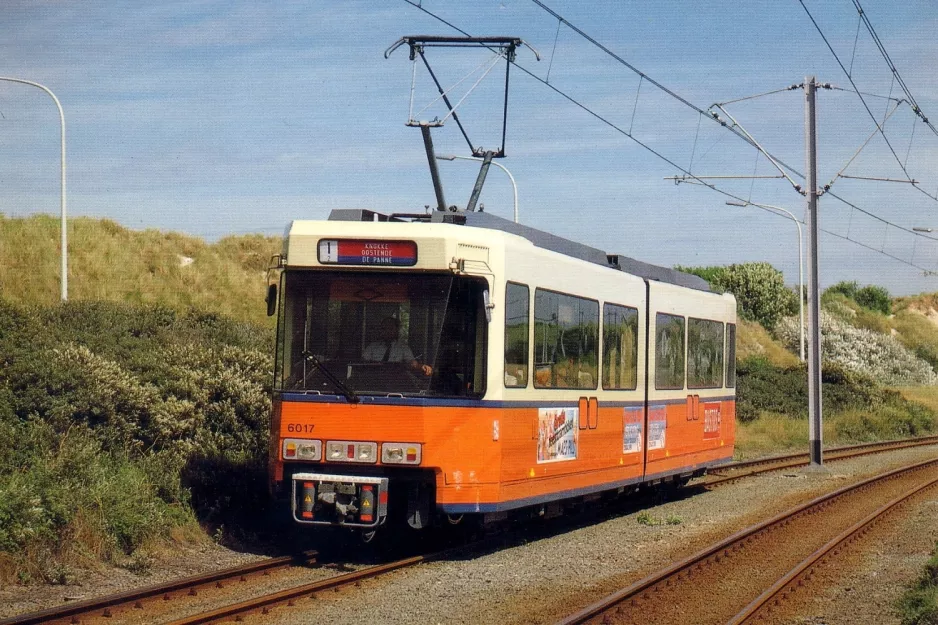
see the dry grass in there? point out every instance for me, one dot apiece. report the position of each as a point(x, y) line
point(925, 395)
point(774, 433)
point(109, 262)
point(753, 340)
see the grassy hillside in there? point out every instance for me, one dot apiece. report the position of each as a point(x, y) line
point(108, 262)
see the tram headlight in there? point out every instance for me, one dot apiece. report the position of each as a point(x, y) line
point(301, 449)
point(401, 453)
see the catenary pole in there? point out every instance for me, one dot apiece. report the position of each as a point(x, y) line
point(814, 302)
point(64, 281)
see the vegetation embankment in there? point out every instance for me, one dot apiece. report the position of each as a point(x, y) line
point(123, 426)
point(137, 413)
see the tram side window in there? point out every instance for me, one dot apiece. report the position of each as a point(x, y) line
point(731, 355)
point(566, 339)
point(704, 353)
point(669, 352)
point(517, 308)
point(620, 347)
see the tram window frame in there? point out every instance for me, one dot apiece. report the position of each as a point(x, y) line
point(525, 352)
point(730, 358)
point(632, 313)
point(661, 321)
point(716, 380)
point(581, 363)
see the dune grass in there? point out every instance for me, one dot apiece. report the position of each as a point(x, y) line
point(754, 340)
point(108, 262)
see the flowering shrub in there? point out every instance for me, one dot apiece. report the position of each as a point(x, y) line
point(876, 355)
point(107, 410)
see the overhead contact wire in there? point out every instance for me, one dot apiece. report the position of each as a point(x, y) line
point(863, 100)
point(667, 160)
point(892, 66)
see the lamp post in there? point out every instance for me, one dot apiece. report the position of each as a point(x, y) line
point(64, 222)
point(800, 264)
point(514, 186)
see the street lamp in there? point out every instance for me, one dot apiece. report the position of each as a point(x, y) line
point(800, 264)
point(450, 157)
point(64, 223)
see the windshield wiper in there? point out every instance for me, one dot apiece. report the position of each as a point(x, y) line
point(336, 382)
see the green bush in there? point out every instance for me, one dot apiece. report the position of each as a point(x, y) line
point(103, 407)
point(875, 298)
point(868, 411)
point(761, 294)
point(871, 297)
point(847, 289)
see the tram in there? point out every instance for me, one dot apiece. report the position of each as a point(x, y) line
point(431, 368)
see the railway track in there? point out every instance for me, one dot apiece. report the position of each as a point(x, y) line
point(146, 604)
point(109, 606)
point(290, 596)
point(737, 470)
point(737, 579)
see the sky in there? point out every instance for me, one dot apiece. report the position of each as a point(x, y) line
point(225, 117)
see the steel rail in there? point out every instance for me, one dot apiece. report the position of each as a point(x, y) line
point(779, 463)
point(723, 548)
point(835, 545)
point(827, 450)
point(288, 596)
point(105, 605)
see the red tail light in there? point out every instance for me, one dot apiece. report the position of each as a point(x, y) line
point(307, 500)
point(367, 504)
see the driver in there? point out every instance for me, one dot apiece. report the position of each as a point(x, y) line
point(390, 348)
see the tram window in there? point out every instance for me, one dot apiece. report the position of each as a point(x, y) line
point(517, 307)
point(669, 352)
point(704, 353)
point(335, 326)
point(620, 347)
point(731, 355)
point(566, 337)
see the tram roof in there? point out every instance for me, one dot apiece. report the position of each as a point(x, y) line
point(539, 238)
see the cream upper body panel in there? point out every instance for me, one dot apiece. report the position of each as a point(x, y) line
point(499, 258)
point(689, 304)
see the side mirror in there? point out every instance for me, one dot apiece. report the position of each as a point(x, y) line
point(487, 301)
point(271, 299)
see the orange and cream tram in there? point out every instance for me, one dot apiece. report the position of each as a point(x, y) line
point(461, 364)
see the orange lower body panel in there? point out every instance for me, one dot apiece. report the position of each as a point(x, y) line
point(489, 457)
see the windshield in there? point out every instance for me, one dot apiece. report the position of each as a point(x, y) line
point(406, 333)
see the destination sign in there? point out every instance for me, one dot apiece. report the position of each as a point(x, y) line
point(370, 253)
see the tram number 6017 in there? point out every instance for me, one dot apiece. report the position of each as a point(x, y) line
point(300, 428)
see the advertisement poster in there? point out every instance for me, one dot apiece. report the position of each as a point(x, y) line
point(632, 430)
point(556, 434)
point(657, 426)
point(712, 420)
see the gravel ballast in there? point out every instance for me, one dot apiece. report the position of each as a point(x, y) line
point(548, 578)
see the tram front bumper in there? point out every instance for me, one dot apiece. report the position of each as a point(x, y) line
point(346, 500)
